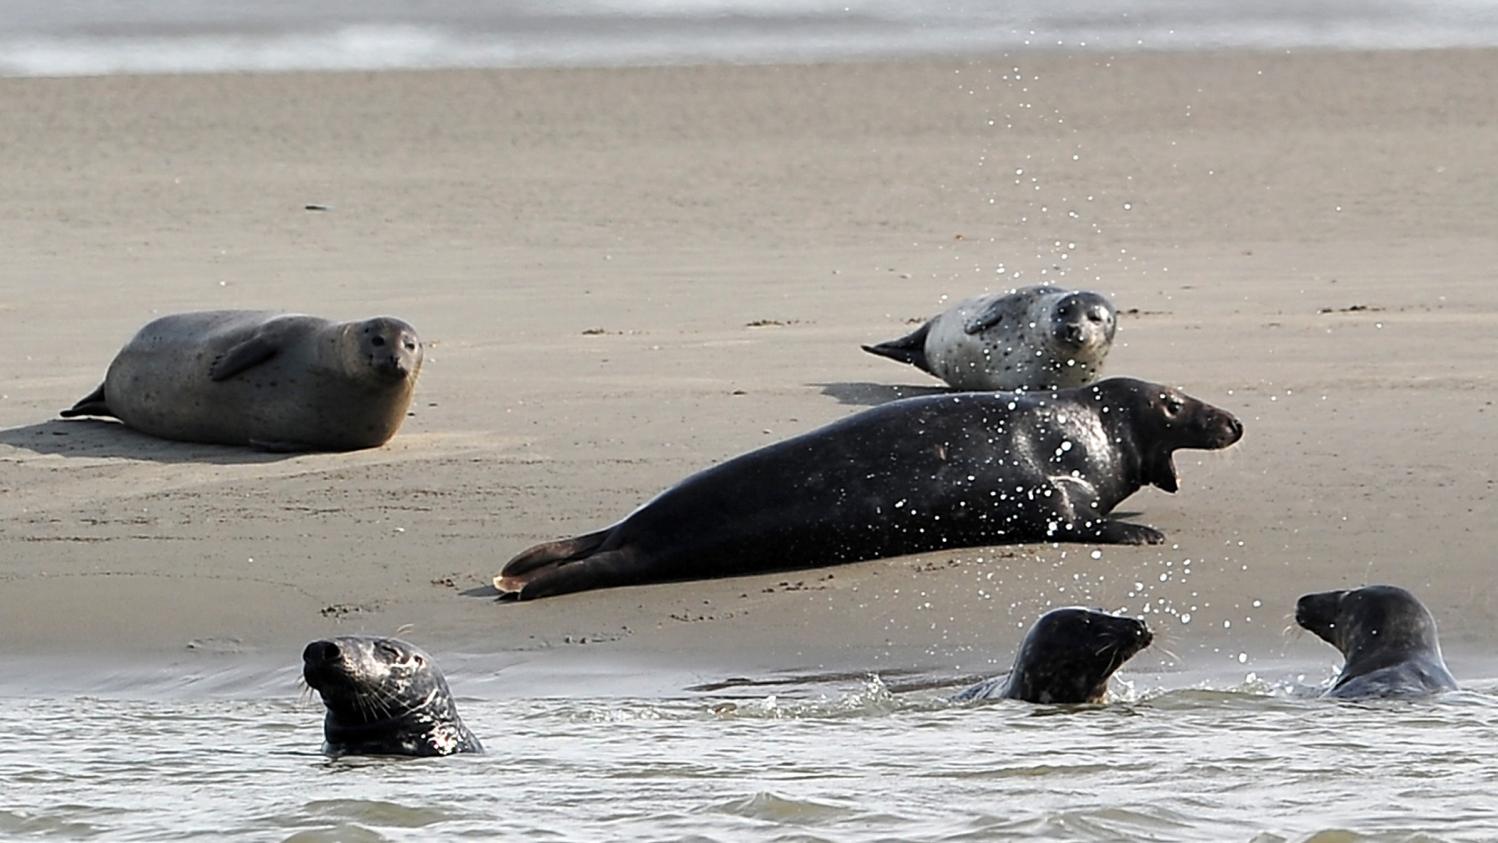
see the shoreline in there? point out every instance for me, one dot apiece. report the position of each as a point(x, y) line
point(1305, 256)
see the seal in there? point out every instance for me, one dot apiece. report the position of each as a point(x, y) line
point(274, 381)
point(384, 697)
point(1387, 637)
point(1066, 657)
point(939, 471)
point(1029, 338)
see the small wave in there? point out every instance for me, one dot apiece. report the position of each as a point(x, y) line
point(773, 807)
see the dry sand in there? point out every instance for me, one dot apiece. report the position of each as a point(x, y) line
point(1306, 240)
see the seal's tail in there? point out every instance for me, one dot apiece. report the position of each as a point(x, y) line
point(92, 404)
point(910, 348)
point(547, 579)
point(559, 567)
point(554, 553)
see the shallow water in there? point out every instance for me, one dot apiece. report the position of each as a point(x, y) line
point(95, 37)
point(853, 761)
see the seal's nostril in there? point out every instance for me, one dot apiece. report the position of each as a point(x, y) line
point(319, 652)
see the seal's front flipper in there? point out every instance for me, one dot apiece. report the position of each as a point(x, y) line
point(1122, 532)
point(92, 404)
point(910, 348)
point(601, 570)
point(248, 354)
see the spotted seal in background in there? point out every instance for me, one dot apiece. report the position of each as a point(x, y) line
point(275, 381)
point(384, 697)
point(1066, 657)
point(1387, 637)
point(940, 471)
point(1030, 338)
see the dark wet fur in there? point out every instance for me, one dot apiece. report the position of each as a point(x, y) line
point(1066, 657)
point(383, 697)
point(1387, 637)
point(909, 476)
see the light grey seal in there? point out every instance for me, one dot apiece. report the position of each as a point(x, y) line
point(275, 381)
point(940, 471)
point(1030, 338)
point(1387, 637)
point(384, 696)
point(1066, 657)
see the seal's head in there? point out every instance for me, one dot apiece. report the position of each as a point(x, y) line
point(387, 346)
point(1374, 617)
point(384, 697)
point(1161, 419)
point(1083, 322)
point(1068, 655)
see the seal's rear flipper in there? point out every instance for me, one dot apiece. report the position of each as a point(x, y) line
point(910, 348)
point(563, 550)
point(548, 579)
point(92, 404)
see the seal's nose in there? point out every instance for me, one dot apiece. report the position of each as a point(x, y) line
point(321, 652)
point(1143, 633)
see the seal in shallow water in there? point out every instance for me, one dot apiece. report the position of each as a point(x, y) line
point(1030, 338)
point(384, 697)
point(1387, 637)
point(920, 474)
point(276, 381)
point(1066, 657)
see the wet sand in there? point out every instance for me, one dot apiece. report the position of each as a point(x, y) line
point(626, 275)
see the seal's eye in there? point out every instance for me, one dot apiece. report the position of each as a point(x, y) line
point(388, 651)
point(1172, 405)
point(377, 341)
point(410, 346)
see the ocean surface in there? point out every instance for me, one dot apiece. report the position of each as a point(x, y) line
point(95, 37)
point(845, 760)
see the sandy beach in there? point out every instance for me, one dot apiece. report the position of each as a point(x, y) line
point(623, 276)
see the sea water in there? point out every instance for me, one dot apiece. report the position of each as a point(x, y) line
point(845, 760)
point(97, 37)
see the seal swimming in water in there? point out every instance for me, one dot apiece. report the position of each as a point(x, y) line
point(275, 381)
point(1030, 338)
point(1066, 657)
point(1387, 637)
point(384, 697)
point(914, 475)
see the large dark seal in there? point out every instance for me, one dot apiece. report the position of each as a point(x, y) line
point(1030, 338)
point(276, 381)
point(384, 697)
point(1066, 657)
point(1387, 637)
point(908, 476)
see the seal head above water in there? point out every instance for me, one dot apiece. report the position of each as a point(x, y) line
point(276, 381)
point(1387, 637)
point(941, 471)
point(383, 696)
point(1066, 657)
point(1030, 338)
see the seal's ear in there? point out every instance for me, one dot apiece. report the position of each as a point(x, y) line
point(1163, 473)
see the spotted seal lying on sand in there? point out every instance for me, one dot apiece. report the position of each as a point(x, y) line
point(275, 381)
point(1030, 338)
point(1066, 657)
point(908, 476)
point(1387, 637)
point(384, 697)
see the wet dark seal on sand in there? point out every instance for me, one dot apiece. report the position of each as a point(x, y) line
point(921, 474)
point(383, 696)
